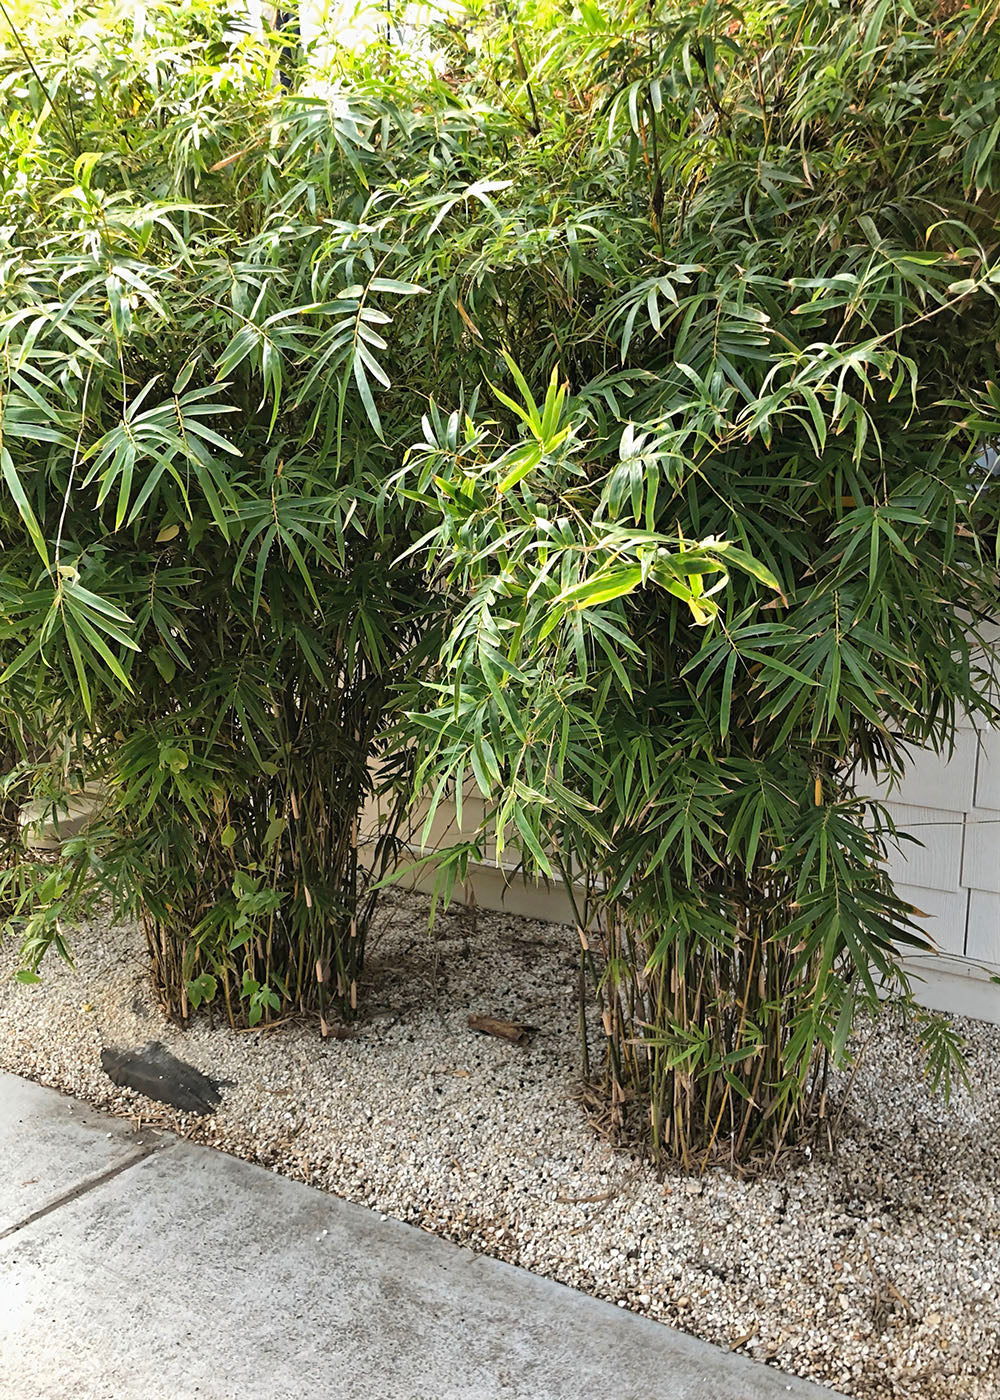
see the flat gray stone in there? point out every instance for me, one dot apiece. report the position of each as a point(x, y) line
point(190, 1274)
point(51, 1144)
point(152, 1070)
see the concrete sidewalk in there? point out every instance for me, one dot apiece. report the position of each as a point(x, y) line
point(137, 1265)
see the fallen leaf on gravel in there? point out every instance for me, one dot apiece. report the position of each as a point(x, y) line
point(515, 1031)
point(900, 1298)
point(742, 1341)
point(586, 1200)
point(336, 1029)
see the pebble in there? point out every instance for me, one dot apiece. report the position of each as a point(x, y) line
point(875, 1271)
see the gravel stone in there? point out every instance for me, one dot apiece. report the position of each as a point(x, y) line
point(875, 1270)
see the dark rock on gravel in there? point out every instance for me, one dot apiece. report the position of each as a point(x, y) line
point(158, 1074)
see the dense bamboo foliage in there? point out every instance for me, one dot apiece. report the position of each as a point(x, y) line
point(203, 616)
point(603, 385)
point(208, 597)
point(760, 245)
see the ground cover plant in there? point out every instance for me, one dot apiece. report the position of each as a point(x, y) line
point(586, 403)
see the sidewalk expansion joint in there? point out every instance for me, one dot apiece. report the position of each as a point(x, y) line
point(85, 1187)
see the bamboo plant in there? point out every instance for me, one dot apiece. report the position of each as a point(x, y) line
point(757, 264)
point(203, 613)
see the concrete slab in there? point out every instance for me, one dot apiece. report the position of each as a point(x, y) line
point(191, 1274)
point(51, 1144)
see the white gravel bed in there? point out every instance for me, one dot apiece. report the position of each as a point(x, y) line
point(876, 1272)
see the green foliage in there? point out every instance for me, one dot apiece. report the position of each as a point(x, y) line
point(202, 609)
point(609, 391)
point(215, 357)
point(756, 251)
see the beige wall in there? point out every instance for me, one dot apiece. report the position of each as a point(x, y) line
point(490, 886)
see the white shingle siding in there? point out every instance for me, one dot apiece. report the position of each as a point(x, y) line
point(952, 805)
point(982, 940)
point(936, 863)
point(935, 781)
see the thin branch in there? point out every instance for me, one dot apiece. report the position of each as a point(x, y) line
point(39, 79)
